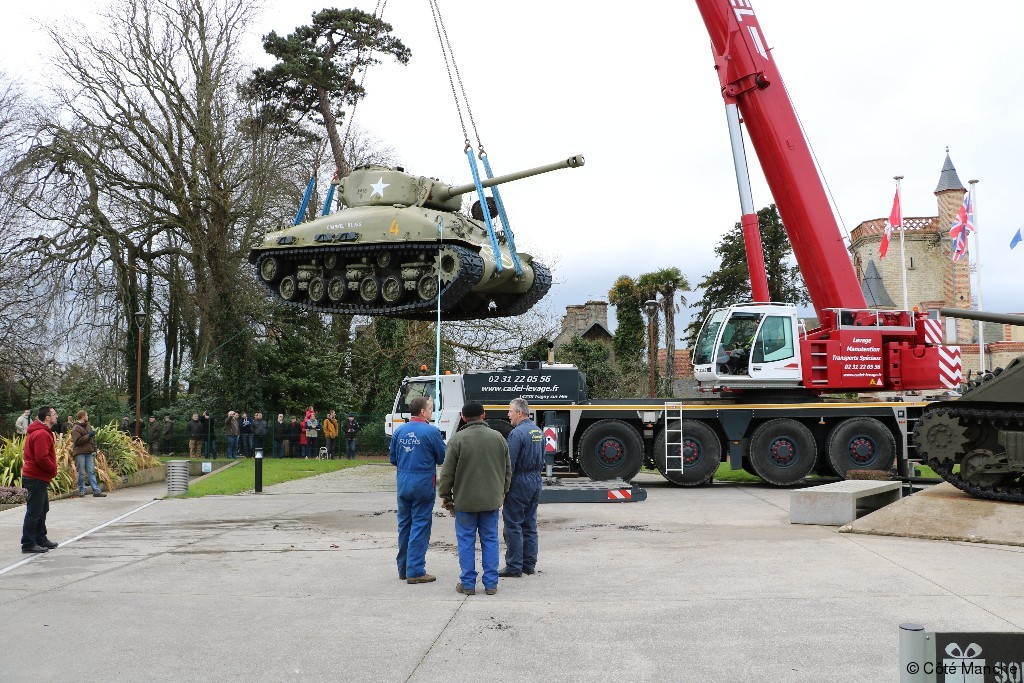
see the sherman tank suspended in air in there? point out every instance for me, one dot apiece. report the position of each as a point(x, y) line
point(381, 255)
point(982, 432)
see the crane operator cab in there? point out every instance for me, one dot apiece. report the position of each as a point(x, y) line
point(749, 345)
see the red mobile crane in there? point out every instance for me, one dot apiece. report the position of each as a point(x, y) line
point(773, 421)
point(752, 346)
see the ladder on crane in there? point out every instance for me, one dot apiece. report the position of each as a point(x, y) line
point(675, 460)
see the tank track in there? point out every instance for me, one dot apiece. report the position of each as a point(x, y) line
point(541, 285)
point(969, 428)
point(453, 293)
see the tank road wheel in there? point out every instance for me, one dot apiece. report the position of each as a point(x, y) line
point(782, 451)
point(317, 289)
point(699, 457)
point(384, 259)
point(330, 261)
point(862, 443)
point(426, 287)
point(269, 269)
point(336, 289)
point(391, 289)
point(611, 449)
point(369, 288)
point(974, 468)
point(289, 288)
point(449, 264)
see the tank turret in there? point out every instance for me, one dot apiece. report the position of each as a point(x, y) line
point(976, 442)
point(381, 254)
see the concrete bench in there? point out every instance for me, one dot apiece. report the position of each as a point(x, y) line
point(836, 504)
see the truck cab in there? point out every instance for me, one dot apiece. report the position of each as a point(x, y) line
point(753, 345)
point(446, 409)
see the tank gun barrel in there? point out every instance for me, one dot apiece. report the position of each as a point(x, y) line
point(984, 316)
point(572, 162)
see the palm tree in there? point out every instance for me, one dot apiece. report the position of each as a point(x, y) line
point(666, 283)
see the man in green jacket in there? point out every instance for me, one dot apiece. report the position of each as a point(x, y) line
point(475, 478)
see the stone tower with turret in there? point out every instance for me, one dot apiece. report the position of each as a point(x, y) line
point(933, 280)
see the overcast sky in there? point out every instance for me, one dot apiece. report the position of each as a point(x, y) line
point(882, 88)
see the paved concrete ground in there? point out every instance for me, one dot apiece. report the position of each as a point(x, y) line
point(944, 512)
point(711, 584)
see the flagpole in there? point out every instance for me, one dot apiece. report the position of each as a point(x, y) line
point(977, 267)
point(903, 253)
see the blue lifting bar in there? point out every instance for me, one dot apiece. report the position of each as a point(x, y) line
point(305, 201)
point(330, 198)
point(483, 206)
point(504, 218)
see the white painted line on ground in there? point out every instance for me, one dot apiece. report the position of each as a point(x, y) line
point(14, 566)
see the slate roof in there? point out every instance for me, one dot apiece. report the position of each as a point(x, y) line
point(948, 179)
point(875, 293)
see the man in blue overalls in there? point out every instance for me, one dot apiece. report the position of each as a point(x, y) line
point(526, 450)
point(417, 448)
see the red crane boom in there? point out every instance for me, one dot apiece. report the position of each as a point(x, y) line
point(751, 80)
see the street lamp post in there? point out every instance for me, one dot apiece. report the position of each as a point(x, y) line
point(651, 306)
point(140, 320)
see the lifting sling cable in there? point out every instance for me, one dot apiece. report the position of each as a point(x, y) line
point(330, 196)
point(446, 50)
point(305, 201)
point(480, 146)
point(437, 329)
point(486, 209)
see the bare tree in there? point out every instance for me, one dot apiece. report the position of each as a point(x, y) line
point(166, 176)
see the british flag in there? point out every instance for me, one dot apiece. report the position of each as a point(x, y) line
point(963, 225)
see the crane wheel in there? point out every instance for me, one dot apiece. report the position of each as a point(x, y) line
point(862, 443)
point(782, 451)
point(503, 427)
point(693, 454)
point(611, 449)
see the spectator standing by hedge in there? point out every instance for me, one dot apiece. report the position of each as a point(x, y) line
point(294, 437)
point(231, 431)
point(331, 432)
point(37, 471)
point(21, 424)
point(280, 436)
point(259, 432)
point(310, 428)
point(196, 432)
point(154, 436)
point(245, 432)
point(83, 447)
point(166, 432)
point(351, 428)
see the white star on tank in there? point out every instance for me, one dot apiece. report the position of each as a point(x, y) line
point(378, 187)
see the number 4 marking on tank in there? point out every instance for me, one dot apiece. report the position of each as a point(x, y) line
point(394, 226)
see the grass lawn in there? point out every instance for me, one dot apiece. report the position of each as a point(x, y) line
point(242, 477)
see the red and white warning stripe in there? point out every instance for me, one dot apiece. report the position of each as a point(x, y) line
point(950, 368)
point(619, 494)
point(932, 331)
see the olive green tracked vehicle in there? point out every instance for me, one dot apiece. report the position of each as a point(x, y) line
point(982, 431)
point(381, 254)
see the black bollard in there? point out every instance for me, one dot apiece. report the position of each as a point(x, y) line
point(259, 470)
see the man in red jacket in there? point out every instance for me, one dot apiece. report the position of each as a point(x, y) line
point(39, 468)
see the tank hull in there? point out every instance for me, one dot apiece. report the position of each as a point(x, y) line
point(976, 442)
point(385, 260)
